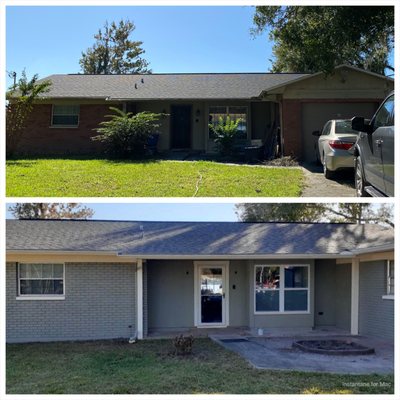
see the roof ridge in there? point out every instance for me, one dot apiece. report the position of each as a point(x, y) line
point(188, 222)
point(188, 73)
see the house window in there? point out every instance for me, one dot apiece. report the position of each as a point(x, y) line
point(390, 278)
point(234, 112)
point(65, 115)
point(40, 280)
point(282, 288)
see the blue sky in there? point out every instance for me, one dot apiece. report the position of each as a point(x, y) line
point(50, 39)
point(162, 211)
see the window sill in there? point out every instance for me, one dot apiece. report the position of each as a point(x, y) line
point(64, 126)
point(280, 312)
point(388, 297)
point(40, 298)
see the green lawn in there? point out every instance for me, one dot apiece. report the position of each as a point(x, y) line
point(104, 178)
point(150, 367)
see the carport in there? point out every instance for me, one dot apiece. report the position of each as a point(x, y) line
point(308, 102)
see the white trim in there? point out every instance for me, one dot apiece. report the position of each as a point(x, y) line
point(39, 296)
point(355, 286)
point(388, 279)
point(282, 289)
point(64, 252)
point(139, 298)
point(197, 298)
point(275, 256)
point(388, 297)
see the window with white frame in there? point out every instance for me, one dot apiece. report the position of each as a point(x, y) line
point(281, 288)
point(40, 279)
point(390, 278)
point(65, 115)
point(218, 113)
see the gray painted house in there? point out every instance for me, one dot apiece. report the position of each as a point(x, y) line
point(77, 280)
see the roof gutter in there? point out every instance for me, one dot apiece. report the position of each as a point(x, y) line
point(344, 254)
point(375, 249)
point(69, 252)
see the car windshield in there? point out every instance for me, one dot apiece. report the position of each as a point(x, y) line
point(344, 127)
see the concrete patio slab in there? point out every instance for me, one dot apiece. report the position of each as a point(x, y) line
point(277, 353)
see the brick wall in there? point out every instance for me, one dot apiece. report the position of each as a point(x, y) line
point(99, 303)
point(376, 315)
point(41, 139)
point(291, 130)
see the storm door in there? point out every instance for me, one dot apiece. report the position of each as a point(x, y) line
point(211, 294)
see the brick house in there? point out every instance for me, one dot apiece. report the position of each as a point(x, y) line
point(283, 108)
point(86, 280)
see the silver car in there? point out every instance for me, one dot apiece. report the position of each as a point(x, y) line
point(334, 141)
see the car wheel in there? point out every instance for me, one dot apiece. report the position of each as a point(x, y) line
point(359, 181)
point(327, 173)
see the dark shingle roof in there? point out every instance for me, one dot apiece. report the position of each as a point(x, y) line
point(199, 238)
point(166, 86)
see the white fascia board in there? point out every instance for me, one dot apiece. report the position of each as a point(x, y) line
point(374, 249)
point(232, 256)
point(60, 252)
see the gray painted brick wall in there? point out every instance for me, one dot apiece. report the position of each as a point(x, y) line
point(376, 315)
point(99, 303)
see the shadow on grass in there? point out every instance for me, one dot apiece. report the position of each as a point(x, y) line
point(29, 161)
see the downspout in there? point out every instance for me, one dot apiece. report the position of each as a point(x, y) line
point(139, 298)
point(355, 285)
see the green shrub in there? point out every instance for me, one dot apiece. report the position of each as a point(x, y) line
point(183, 345)
point(225, 134)
point(125, 135)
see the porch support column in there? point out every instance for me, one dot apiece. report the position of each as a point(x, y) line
point(355, 285)
point(139, 298)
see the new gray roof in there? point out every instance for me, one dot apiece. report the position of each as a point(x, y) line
point(166, 86)
point(197, 238)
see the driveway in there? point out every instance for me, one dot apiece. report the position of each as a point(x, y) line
point(316, 185)
point(278, 354)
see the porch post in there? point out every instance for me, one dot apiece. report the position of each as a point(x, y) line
point(355, 284)
point(139, 298)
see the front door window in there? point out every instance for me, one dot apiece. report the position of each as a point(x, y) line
point(211, 292)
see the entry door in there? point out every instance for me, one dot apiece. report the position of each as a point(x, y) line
point(181, 127)
point(211, 295)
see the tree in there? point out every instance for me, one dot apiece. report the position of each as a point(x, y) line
point(357, 213)
point(318, 38)
point(20, 99)
point(50, 210)
point(114, 52)
point(280, 212)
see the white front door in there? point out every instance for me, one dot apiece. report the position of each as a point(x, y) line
point(211, 294)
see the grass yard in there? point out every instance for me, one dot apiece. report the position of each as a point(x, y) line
point(150, 367)
point(105, 178)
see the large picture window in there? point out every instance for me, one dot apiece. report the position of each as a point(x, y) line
point(281, 288)
point(234, 112)
point(40, 280)
point(65, 115)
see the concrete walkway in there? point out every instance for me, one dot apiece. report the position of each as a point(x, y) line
point(316, 185)
point(278, 354)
